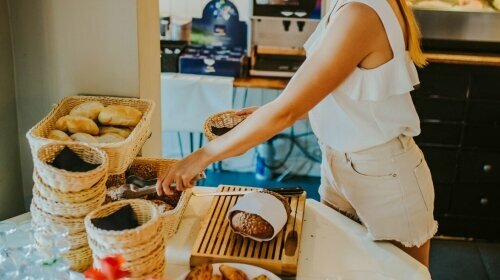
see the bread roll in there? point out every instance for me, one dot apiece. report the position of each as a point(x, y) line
point(109, 138)
point(120, 115)
point(84, 137)
point(58, 135)
point(122, 131)
point(89, 110)
point(201, 272)
point(232, 273)
point(261, 277)
point(75, 124)
point(251, 224)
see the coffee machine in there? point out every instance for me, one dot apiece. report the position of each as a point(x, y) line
point(279, 29)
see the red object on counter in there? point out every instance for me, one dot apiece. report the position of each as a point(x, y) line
point(110, 269)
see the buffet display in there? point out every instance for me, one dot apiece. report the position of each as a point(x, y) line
point(98, 201)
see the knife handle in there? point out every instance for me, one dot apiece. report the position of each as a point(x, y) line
point(287, 190)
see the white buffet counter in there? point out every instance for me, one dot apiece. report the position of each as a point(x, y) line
point(332, 245)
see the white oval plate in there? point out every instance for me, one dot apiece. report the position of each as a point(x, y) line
point(250, 270)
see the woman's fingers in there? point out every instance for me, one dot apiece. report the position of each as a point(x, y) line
point(179, 183)
point(167, 181)
point(159, 185)
point(188, 182)
point(246, 111)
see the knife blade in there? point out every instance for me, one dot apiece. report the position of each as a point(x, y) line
point(282, 191)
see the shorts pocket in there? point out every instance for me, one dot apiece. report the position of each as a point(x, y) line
point(374, 169)
point(424, 180)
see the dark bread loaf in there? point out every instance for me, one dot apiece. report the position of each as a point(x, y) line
point(251, 224)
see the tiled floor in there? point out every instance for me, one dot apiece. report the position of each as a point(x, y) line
point(450, 259)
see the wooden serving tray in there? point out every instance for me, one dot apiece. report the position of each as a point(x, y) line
point(217, 243)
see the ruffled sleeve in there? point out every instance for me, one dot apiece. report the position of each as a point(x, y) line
point(395, 77)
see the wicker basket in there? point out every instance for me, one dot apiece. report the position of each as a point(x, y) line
point(69, 210)
point(158, 270)
point(146, 213)
point(79, 259)
point(67, 181)
point(152, 168)
point(39, 217)
point(120, 154)
point(223, 119)
point(116, 180)
point(130, 254)
point(141, 267)
point(53, 194)
point(77, 240)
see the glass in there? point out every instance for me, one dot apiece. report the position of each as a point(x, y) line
point(6, 228)
point(52, 244)
point(8, 267)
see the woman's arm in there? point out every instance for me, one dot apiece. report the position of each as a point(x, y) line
point(349, 39)
point(249, 110)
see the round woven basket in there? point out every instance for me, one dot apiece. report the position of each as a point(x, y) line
point(227, 119)
point(158, 271)
point(148, 266)
point(79, 259)
point(53, 194)
point(67, 181)
point(130, 254)
point(147, 215)
point(145, 266)
point(77, 240)
point(76, 210)
point(39, 217)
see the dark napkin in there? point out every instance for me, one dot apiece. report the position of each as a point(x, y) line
point(123, 219)
point(221, 130)
point(70, 161)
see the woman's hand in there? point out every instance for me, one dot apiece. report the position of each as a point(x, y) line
point(183, 173)
point(247, 111)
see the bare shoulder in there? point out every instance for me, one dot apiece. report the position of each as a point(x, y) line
point(361, 14)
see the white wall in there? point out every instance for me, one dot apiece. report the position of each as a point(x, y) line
point(11, 194)
point(68, 47)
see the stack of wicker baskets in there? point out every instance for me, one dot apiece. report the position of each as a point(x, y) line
point(64, 198)
point(143, 247)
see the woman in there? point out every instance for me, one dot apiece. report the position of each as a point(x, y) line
point(354, 86)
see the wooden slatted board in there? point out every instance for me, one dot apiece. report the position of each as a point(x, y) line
point(217, 243)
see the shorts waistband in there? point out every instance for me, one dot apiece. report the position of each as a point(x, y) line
point(394, 147)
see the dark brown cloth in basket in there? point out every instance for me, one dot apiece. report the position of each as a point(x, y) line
point(221, 130)
point(70, 161)
point(123, 219)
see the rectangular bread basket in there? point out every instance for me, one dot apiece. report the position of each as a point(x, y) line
point(120, 154)
point(149, 168)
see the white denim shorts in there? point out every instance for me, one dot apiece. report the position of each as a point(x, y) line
point(388, 188)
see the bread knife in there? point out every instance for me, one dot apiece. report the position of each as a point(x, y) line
point(282, 191)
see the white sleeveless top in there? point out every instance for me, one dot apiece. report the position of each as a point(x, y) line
point(372, 106)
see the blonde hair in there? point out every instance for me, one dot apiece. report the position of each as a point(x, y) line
point(413, 32)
